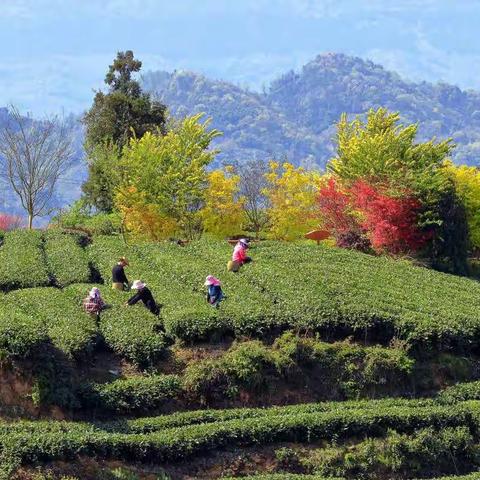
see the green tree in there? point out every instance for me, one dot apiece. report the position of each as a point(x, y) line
point(169, 173)
point(115, 117)
point(103, 176)
point(383, 152)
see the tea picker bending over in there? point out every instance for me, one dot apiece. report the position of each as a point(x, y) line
point(214, 293)
point(94, 304)
point(119, 279)
point(145, 295)
point(239, 256)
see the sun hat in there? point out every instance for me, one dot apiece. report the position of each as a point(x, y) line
point(211, 280)
point(138, 285)
point(94, 292)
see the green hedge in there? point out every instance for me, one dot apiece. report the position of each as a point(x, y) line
point(32, 443)
point(22, 262)
point(66, 259)
point(301, 286)
point(20, 332)
point(283, 476)
point(132, 332)
point(32, 316)
point(138, 394)
point(69, 329)
point(460, 392)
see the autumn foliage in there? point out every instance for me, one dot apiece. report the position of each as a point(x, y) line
point(9, 222)
point(391, 222)
point(222, 213)
point(363, 214)
point(291, 193)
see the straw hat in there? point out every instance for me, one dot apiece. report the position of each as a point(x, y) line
point(138, 285)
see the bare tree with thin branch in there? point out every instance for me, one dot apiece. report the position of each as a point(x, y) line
point(35, 154)
point(251, 187)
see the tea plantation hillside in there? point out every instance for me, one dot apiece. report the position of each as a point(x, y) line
point(319, 363)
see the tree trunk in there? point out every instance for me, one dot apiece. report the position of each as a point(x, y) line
point(30, 221)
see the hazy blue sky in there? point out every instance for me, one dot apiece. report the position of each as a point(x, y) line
point(54, 52)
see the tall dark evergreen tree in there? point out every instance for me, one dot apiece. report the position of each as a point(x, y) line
point(124, 111)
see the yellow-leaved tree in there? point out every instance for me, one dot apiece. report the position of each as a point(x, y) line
point(142, 219)
point(222, 214)
point(291, 193)
point(164, 178)
point(467, 186)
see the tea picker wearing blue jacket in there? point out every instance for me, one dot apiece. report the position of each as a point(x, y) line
point(214, 293)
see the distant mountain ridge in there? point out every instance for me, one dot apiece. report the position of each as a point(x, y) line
point(295, 116)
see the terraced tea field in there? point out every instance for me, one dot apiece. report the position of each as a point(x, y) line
point(320, 363)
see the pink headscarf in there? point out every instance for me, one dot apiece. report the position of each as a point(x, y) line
point(211, 280)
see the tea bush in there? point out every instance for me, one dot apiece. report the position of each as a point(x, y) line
point(22, 262)
point(425, 452)
point(68, 328)
point(20, 332)
point(136, 394)
point(32, 442)
point(66, 259)
point(461, 391)
point(302, 286)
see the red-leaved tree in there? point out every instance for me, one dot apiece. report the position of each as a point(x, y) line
point(391, 221)
point(336, 215)
point(9, 222)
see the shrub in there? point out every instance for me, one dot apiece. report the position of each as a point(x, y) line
point(424, 452)
point(137, 394)
point(461, 392)
point(69, 329)
point(245, 365)
point(66, 259)
point(33, 442)
point(346, 370)
point(20, 333)
point(22, 263)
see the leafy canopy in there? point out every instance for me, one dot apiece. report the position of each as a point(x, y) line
point(291, 194)
point(124, 112)
point(380, 150)
point(467, 185)
point(222, 214)
point(169, 172)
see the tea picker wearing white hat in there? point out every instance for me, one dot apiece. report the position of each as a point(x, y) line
point(145, 295)
point(93, 304)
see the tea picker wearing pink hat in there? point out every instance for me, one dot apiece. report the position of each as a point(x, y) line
point(145, 295)
point(214, 292)
point(239, 256)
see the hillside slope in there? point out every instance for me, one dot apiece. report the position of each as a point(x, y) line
point(319, 361)
point(296, 114)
